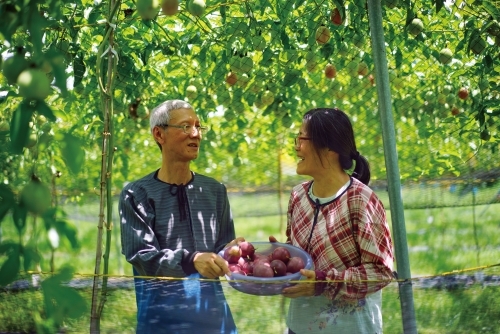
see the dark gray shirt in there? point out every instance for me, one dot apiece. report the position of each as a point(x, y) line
point(156, 241)
point(162, 227)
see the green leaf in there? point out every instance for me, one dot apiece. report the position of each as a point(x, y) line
point(4, 209)
point(19, 216)
point(62, 302)
point(426, 52)
point(251, 99)
point(285, 40)
point(460, 46)
point(222, 11)
point(69, 231)
point(44, 109)
point(488, 62)
point(36, 26)
point(327, 50)
point(202, 57)
point(492, 9)
point(78, 70)
point(6, 200)
point(125, 166)
point(480, 118)
point(410, 15)
point(94, 15)
point(58, 63)
point(10, 268)
point(291, 77)
point(423, 129)
point(267, 56)
point(299, 3)
point(31, 257)
point(49, 217)
point(398, 55)
point(439, 4)
point(435, 54)
point(71, 302)
point(185, 50)
point(10, 20)
point(8, 247)
point(285, 8)
point(72, 152)
point(20, 127)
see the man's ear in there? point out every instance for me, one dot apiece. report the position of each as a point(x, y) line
point(158, 135)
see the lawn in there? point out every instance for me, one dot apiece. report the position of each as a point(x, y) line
point(440, 240)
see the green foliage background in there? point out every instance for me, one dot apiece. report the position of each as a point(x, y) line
point(102, 56)
point(157, 60)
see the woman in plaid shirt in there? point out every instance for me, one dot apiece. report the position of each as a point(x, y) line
point(342, 224)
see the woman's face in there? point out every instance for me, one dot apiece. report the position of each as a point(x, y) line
point(308, 162)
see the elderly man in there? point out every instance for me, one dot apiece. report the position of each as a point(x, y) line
point(173, 224)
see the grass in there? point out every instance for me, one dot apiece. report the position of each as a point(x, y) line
point(443, 240)
point(439, 241)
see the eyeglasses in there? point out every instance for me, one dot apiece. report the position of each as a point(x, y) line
point(298, 140)
point(188, 129)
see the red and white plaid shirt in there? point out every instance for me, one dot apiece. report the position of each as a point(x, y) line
point(351, 241)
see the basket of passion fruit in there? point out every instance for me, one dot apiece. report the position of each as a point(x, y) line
point(264, 268)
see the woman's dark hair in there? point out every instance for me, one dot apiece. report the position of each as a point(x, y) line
point(331, 128)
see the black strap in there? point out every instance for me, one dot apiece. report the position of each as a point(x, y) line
point(317, 205)
point(180, 192)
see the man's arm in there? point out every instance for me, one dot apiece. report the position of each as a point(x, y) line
point(141, 247)
point(139, 243)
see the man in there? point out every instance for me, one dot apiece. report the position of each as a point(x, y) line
point(173, 224)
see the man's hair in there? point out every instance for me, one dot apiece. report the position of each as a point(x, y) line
point(161, 114)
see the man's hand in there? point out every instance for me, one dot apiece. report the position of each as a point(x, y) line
point(235, 242)
point(210, 265)
point(302, 289)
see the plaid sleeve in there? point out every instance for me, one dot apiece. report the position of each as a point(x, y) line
point(375, 251)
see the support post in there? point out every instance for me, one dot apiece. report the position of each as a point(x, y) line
point(391, 161)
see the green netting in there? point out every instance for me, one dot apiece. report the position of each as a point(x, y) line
point(458, 302)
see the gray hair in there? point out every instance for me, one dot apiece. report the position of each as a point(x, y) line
point(161, 114)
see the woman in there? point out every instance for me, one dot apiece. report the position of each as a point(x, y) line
point(342, 224)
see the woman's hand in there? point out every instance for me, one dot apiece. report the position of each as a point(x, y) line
point(303, 289)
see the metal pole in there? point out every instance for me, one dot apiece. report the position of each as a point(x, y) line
point(391, 161)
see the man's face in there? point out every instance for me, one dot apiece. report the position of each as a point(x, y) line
point(178, 145)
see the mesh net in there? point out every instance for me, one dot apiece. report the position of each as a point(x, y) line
point(456, 278)
point(459, 302)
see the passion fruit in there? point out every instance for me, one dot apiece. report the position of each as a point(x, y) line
point(33, 84)
point(36, 196)
point(13, 66)
point(445, 56)
point(170, 7)
point(148, 9)
point(197, 7)
point(416, 26)
point(477, 45)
